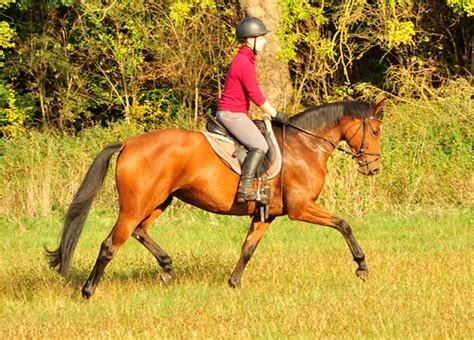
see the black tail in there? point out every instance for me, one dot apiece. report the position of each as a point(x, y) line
point(79, 209)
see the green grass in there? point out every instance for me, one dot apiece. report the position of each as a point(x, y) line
point(301, 281)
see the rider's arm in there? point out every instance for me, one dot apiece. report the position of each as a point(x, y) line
point(250, 82)
point(267, 108)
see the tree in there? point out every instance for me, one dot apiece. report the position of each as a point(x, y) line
point(273, 73)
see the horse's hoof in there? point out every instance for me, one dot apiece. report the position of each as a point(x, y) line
point(363, 274)
point(166, 278)
point(233, 284)
point(86, 294)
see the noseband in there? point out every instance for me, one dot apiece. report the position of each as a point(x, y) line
point(362, 152)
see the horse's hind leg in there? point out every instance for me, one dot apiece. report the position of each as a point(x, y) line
point(141, 234)
point(119, 235)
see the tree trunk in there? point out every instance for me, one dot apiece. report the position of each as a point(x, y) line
point(273, 74)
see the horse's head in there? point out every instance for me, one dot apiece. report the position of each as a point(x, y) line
point(363, 137)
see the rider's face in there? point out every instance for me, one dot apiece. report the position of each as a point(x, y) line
point(258, 42)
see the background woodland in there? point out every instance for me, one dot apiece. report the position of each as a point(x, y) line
point(73, 64)
point(76, 75)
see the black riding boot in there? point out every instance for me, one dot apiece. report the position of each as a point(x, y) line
point(249, 169)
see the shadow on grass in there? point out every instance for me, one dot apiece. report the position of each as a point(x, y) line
point(189, 269)
point(29, 281)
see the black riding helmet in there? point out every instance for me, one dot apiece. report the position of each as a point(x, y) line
point(250, 27)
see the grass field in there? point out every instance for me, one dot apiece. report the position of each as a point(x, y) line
point(300, 283)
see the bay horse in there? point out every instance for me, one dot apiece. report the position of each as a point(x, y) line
point(154, 167)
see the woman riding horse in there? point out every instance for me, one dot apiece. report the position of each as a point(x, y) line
point(240, 87)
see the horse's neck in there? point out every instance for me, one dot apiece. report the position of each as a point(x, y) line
point(321, 142)
point(327, 139)
point(334, 135)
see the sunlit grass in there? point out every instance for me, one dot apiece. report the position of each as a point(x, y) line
point(300, 282)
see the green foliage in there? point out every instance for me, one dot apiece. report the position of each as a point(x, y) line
point(115, 41)
point(25, 5)
point(334, 45)
point(294, 14)
point(5, 3)
point(13, 118)
point(155, 107)
point(88, 62)
point(6, 37)
point(399, 33)
point(462, 6)
point(179, 11)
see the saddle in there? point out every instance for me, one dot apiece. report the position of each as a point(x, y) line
point(233, 153)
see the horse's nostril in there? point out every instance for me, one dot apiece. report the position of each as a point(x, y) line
point(375, 171)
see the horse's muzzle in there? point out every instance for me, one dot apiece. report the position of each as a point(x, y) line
point(370, 169)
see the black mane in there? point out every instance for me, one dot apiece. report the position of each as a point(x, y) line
point(329, 115)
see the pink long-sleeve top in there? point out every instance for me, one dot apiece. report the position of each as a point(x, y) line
point(241, 84)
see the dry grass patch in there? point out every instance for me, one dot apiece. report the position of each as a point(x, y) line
point(301, 282)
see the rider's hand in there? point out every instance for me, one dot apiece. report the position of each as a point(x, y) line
point(281, 117)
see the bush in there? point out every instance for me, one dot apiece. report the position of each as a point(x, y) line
point(426, 147)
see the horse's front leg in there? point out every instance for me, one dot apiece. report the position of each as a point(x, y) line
point(312, 213)
point(255, 233)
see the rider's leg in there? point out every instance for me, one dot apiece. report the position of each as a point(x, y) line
point(251, 164)
point(244, 130)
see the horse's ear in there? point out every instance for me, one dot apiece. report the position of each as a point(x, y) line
point(378, 106)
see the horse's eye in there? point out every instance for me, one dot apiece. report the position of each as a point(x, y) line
point(375, 133)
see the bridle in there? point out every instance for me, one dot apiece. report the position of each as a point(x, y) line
point(362, 152)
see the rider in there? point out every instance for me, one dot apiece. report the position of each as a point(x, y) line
point(240, 87)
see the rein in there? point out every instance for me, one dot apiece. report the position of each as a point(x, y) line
point(311, 134)
point(340, 148)
point(362, 151)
